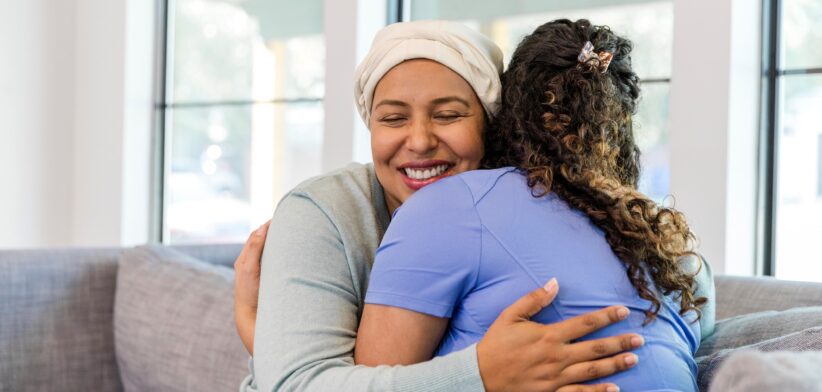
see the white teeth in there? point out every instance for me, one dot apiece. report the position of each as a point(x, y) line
point(424, 174)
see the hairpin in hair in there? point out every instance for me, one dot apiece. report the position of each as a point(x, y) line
point(587, 53)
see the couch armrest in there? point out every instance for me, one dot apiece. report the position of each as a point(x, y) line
point(736, 295)
point(56, 328)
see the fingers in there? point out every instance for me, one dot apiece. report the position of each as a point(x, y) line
point(593, 370)
point(531, 303)
point(252, 251)
point(255, 247)
point(589, 388)
point(594, 349)
point(582, 325)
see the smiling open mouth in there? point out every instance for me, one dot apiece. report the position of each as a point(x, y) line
point(420, 174)
point(423, 174)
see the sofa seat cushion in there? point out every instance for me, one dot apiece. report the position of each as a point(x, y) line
point(174, 323)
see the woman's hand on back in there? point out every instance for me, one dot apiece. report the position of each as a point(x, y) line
point(247, 286)
point(517, 354)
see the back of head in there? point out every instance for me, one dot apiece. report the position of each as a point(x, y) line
point(582, 104)
point(565, 119)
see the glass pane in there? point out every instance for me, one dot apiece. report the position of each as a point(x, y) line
point(651, 130)
point(228, 50)
point(800, 34)
point(649, 24)
point(799, 176)
point(228, 166)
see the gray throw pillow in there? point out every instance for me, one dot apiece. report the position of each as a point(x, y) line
point(808, 340)
point(174, 323)
point(753, 371)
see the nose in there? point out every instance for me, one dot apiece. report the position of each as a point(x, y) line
point(421, 138)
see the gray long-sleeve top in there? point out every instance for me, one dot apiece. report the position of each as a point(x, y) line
point(315, 267)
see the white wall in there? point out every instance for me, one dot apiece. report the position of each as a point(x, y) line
point(36, 122)
point(74, 136)
point(98, 135)
point(714, 126)
point(112, 128)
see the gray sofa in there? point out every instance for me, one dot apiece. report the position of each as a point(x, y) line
point(157, 318)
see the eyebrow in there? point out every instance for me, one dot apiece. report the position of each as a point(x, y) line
point(391, 102)
point(438, 101)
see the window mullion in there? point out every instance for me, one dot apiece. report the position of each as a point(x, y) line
point(768, 141)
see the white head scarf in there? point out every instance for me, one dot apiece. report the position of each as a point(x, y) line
point(467, 52)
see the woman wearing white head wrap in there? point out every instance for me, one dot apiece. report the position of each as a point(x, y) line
point(425, 90)
point(468, 53)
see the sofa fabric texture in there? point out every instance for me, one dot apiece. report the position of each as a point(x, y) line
point(160, 318)
point(788, 363)
point(744, 295)
point(745, 330)
point(174, 323)
point(56, 309)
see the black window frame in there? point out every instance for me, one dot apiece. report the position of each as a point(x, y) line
point(772, 71)
point(158, 142)
point(163, 104)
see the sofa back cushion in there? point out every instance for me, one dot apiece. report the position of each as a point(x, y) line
point(56, 309)
point(739, 295)
point(174, 323)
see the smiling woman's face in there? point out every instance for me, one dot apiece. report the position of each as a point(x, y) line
point(426, 124)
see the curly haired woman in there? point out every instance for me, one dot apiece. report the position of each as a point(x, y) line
point(558, 203)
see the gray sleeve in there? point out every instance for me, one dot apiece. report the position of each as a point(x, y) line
point(704, 288)
point(308, 313)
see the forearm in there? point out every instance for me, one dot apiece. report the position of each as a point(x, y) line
point(455, 372)
point(246, 322)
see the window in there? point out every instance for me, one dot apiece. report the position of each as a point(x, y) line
point(242, 114)
point(819, 167)
point(794, 139)
point(649, 24)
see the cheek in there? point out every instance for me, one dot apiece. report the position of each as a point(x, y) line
point(468, 145)
point(385, 145)
point(380, 146)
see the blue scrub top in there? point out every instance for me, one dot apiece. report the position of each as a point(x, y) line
point(468, 246)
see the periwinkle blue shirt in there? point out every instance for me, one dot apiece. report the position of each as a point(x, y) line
point(468, 246)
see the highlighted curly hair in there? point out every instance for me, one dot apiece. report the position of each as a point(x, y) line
point(568, 125)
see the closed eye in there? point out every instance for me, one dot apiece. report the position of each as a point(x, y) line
point(393, 120)
point(448, 117)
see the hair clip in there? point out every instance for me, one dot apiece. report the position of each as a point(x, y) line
point(587, 53)
point(604, 60)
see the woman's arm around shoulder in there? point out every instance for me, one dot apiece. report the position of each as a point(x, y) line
point(307, 317)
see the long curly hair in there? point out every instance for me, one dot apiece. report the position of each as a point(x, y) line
point(566, 123)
